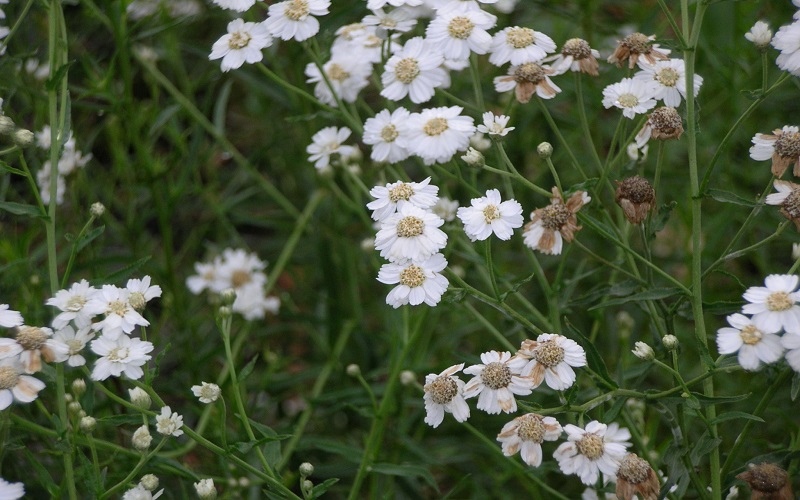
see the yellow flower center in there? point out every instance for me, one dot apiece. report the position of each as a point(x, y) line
point(549, 353)
point(406, 70)
point(389, 133)
point(519, 38)
point(239, 40)
point(628, 100)
point(401, 192)
point(490, 213)
point(240, 278)
point(412, 276)
point(460, 28)
point(137, 300)
point(590, 446)
point(779, 301)
point(667, 77)
point(531, 428)
point(9, 377)
point(442, 390)
point(296, 10)
point(75, 304)
point(410, 226)
point(31, 338)
point(750, 335)
point(75, 346)
point(637, 43)
point(118, 354)
point(435, 126)
point(496, 375)
point(577, 48)
point(117, 307)
point(337, 73)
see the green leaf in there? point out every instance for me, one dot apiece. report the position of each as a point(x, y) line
point(515, 286)
point(795, 385)
point(53, 82)
point(703, 447)
point(454, 295)
point(267, 431)
point(733, 415)
point(593, 357)
point(728, 197)
point(586, 185)
point(43, 477)
point(651, 294)
point(5, 166)
point(125, 272)
point(406, 471)
point(90, 236)
point(21, 209)
point(320, 489)
point(349, 453)
point(613, 412)
point(248, 369)
point(661, 217)
point(715, 400)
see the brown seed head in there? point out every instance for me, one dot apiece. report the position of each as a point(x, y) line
point(636, 197)
point(636, 477)
point(768, 481)
point(666, 123)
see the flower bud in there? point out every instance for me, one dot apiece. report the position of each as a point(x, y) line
point(78, 387)
point(225, 312)
point(643, 351)
point(150, 482)
point(306, 469)
point(140, 398)
point(88, 424)
point(74, 407)
point(670, 342)
point(545, 150)
point(97, 209)
point(760, 35)
point(23, 137)
point(308, 485)
point(205, 489)
point(407, 377)
point(244, 482)
point(474, 158)
point(353, 370)
point(6, 125)
point(141, 438)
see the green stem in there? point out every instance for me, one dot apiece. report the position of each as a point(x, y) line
point(139, 465)
point(17, 24)
point(560, 136)
point(490, 268)
point(585, 122)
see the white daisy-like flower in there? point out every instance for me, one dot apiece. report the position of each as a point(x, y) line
point(456, 32)
point(525, 435)
point(634, 97)
point(411, 233)
point(362, 42)
point(11, 491)
point(9, 318)
point(139, 492)
point(488, 214)
point(377, 4)
point(775, 305)
point(552, 359)
point(791, 342)
point(31, 344)
point(444, 393)
point(238, 268)
point(590, 451)
point(206, 392)
point(436, 134)
point(755, 346)
point(75, 342)
point(123, 355)
point(393, 196)
point(385, 133)
point(347, 75)
point(446, 209)
point(670, 79)
point(495, 125)
point(760, 35)
point(43, 181)
point(205, 489)
point(457, 5)
point(528, 79)
point(242, 44)
point(415, 70)
point(205, 278)
point(252, 303)
point(417, 281)
point(496, 382)
point(295, 18)
point(576, 56)
point(141, 292)
point(520, 45)
point(169, 423)
point(327, 142)
point(787, 40)
point(15, 385)
point(782, 147)
point(397, 20)
point(120, 314)
point(75, 305)
point(237, 5)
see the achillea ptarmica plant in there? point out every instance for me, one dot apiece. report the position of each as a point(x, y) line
point(767, 482)
point(788, 198)
point(577, 56)
point(782, 146)
point(635, 477)
point(635, 46)
point(637, 197)
point(662, 124)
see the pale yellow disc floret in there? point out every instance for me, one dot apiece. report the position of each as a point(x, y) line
point(590, 446)
point(410, 226)
point(496, 375)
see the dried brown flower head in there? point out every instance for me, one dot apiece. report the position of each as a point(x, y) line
point(636, 477)
point(577, 50)
point(529, 78)
point(788, 198)
point(767, 482)
point(634, 46)
point(552, 225)
point(663, 123)
point(637, 197)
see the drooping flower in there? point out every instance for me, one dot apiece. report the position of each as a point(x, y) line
point(123, 355)
point(520, 45)
point(760, 35)
point(496, 382)
point(525, 435)
point(169, 423)
point(590, 451)
point(444, 393)
point(436, 134)
point(411, 233)
point(31, 344)
point(417, 281)
point(767, 481)
point(551, 358)
point(669, 77)
point(576, 56)
point(636, 196)
point(755, 346)
point(327, 142)
point(635, 478)
point(242, 44)
point(527, 79)
point(662, 124)
point(552, 225)
point(415, 71)
point(390, 198)
point(385, 132)
point(782, 147)
point(633, 97)
point(488, 214)
point(295, 18)
point(775, 305)
point(638, 49)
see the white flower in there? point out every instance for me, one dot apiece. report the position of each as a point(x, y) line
point(76, 305)
point(43, 181)
point(252, 303)
point(361, 43)
point(552, 359)
point(14, 385)
point(418, 281)
point(479, 141)
point(670, 79)
point(755, 346)
point(496, 382)
point(590, 451)
point(760, 35)
point(444, 393)
point(169, 423)
point(377, 4)
point(238, 268)
point(634, 97)
point(525, 435)
point(474, 158)
point(787, 40)
point(9, 318)
point(557, 222)
point(399, 20)
point(141, 440)
point(495, 125)
point(207, 392)
point(347, 75)
point(30, 345)
point(393, 196)
point(528, 79)
point(415, 70)
point(775, 306)
point(326, 142)
point(782, 147)
point(140, 292)
point(242, 44)
point(791, 342)
point(205, 489)
point(446, 209)
point(295, 18)
point(11, 491)
point(123, 355)
point(205, 278)
point(519, 46)
point(411, 233)
point(456, 32)
point(237, 5)
point(75, 341)
point(643, 351)
point(489, 215)
point(385, 132)
point(120, 314)
point(436, 134)
point(140, 493)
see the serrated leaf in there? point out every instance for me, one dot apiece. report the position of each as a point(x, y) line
point(733, 415)
point(406, 471)
point(515, 286)
point(320, 489)
point(661, 217)
point(729, 197)
point(248, 369)
point(125, 272)
point(651, 294)
point(21, 209)
point(593, 357)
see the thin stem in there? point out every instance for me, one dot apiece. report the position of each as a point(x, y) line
point(490, 268)
point(560, 136)
point(136, 469)
point(585, 122)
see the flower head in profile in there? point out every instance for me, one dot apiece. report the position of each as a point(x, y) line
point(393, 196)
point(417, 281)
point(760, 35)
point(488, 214)
point(496, 382)
point(495, 125)
point(436, 134)
point(557, 222)
point(788, 198)
point(385, 132)
point(576, 56)
point(446, 209)
point(598, 448)
point(169, 423)
point(457, 32)
point(669, 77)
point(206, 392)
point(31, 344)
point(415, 71)
point(775, 305)
point(327, 142)
point(633, 97)
point(754, 345)
point(444, 393)
point(411, 233)
point(528, 79)
point(638, 49)
point(787, 40)
point(525, 435)
point(636, 196)
point(782, 147)
point(635, 478)
point(662, 124)
point(9, 318)
point(15, 385)
point(520, 45)
point(294, 19)
point(551, 358)
point(123, 355)
point(141, 292)
point(242, 44)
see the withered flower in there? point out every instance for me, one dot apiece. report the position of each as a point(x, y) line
point(527, 79)
point(788, 198)
point(662, 124)
point(637, 197)
point(767, 482)
point(636, 477)
point(552, 225)
point(637, 45)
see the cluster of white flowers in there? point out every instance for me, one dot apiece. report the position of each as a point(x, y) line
point(71, 159)
point(144, 490)
point(240, 271)
point(767, 326)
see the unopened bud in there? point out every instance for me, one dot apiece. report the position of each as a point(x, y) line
point(225, 312)
point(141, 438)
point(74, 407)
point(227, 296)
point(353, 370)
point(78, 387)
point(474, 158)
point(407, 377)
point(97, 209)
point(205, 489)
point(306, 469)
point(88, 424)
point(6, 125)
point(545, 150)
point(150, 482)
point(643, 351)
point(140, 398)
point(670, 342)
point(308, 485)
point(23, 137)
